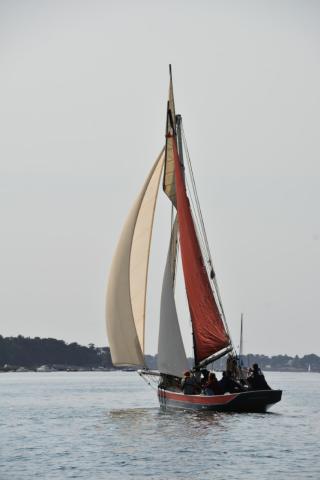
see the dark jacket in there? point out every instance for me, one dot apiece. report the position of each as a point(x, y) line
point(214, 387)
point(227, 384)
point(256, 381)
point(189, 386)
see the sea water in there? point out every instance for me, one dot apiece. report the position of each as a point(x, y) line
point(107, 425)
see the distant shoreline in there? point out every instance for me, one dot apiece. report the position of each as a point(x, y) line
point(21, 369)
point(21, 354)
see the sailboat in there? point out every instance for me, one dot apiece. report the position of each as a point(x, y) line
point(128, 279)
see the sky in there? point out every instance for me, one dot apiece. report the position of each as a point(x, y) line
point(83, 91)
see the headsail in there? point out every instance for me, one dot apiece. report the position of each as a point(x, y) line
point(169, 186)
point(209, 332)
point(126, 293)
point(172, 358)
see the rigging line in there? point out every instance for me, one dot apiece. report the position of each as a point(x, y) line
point(195, 194)
point(205, 234)
point(198, 229)
point(197, 200)
point(202, 246)
point(195, 215)
point(147, 379)
point(201, 240)
point(194, 211)
point(197, 210)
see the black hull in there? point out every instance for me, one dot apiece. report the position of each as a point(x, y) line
point(251, 401)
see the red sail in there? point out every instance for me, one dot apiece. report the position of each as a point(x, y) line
point(208, 329)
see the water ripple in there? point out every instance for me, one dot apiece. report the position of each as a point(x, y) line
point(108, 426)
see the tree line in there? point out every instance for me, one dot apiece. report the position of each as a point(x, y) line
point(34, 352)
point(279, 362)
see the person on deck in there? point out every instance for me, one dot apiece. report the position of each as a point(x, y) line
point(256, 380)
point(204, 377)
point(227, 384)
point(189, 385)
point(232, 366)
point(212, 386)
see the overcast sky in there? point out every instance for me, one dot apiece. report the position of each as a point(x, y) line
point(83, 89)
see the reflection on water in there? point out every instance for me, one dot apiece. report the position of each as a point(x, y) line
point(181, 421)
point(128, 412)
point(109, 426)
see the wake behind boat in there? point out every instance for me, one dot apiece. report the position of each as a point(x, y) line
point(127, 286)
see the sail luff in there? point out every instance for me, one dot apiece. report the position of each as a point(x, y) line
point(209, 332)
point(126, 293)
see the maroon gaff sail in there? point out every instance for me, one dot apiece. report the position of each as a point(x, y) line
point(209, 333)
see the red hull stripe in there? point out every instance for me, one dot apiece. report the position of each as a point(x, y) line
point(198, 399)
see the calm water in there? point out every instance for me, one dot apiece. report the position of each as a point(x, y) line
point(108, 426)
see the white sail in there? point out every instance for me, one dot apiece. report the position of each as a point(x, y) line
point(126, 293)
point(172, 358)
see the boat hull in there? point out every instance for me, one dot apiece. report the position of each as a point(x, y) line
point(251, 401)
